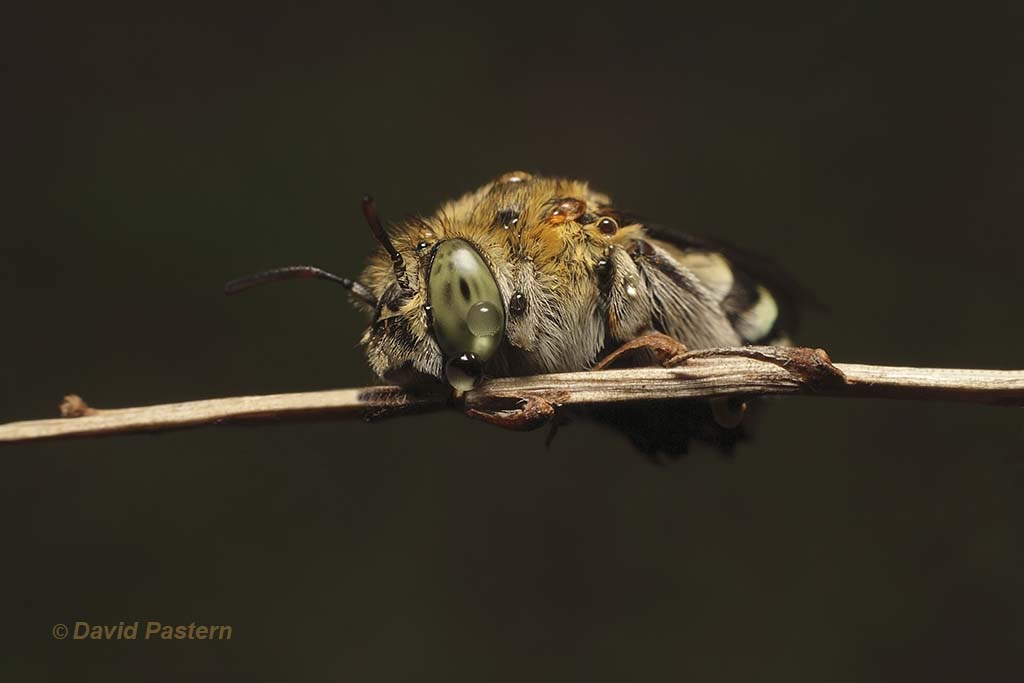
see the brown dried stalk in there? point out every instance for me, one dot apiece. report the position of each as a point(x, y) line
point(529, 402)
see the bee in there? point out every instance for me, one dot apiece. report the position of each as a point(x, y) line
point(531, 274)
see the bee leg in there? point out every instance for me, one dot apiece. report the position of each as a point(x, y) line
point(557, 423)
point(510, 411)
point(812, 366)
point(664, 349)
point(727, 412)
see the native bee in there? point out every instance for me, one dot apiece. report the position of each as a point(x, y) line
point(532, 274)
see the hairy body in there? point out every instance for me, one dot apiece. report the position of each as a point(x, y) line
point(531, 274)
point(577, 278)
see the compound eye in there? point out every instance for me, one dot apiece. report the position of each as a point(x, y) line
point(466, 311)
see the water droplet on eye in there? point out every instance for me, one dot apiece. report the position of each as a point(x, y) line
point(517, 304)
point(483, 319)
point(463, 372)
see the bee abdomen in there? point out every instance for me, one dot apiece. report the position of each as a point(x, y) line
point(752, 310)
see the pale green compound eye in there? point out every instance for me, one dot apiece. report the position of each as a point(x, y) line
point(466, 310)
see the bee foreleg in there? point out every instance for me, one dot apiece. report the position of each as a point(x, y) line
point(663, 348)
point(511, 411)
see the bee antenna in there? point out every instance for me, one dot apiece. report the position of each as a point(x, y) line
point(359, 290)
point(397, 263)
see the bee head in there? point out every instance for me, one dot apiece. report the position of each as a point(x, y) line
point(446, 328)
point(437, 315)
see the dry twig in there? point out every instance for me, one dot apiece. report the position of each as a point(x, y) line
point(529, 402)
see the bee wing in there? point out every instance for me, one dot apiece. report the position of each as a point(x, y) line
point(762, 302)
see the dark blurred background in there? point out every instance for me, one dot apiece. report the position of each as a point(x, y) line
point(872, 149)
